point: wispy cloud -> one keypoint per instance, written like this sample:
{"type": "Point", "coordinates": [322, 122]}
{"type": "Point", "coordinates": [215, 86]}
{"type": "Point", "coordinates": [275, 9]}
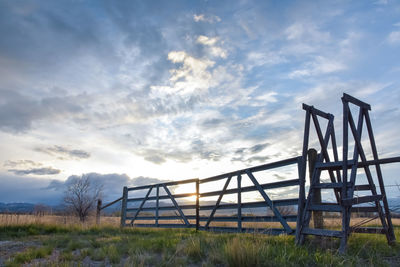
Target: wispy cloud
{"type": "Point", "coordinates": [64, 153]}
{"type": "Point", "coordinates": [36, 171]}
{"type": "Point", "coordinates": [394, 37]}
{"type": "Point", "coordinates": [206, 18]}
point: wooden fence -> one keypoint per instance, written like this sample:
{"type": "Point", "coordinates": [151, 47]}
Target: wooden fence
{"type": "Point", "coordinates": [158, 205]}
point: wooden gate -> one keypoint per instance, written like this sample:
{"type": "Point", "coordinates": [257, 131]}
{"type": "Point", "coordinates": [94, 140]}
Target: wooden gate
{"type": "Point", "coordinates": [162, 205]}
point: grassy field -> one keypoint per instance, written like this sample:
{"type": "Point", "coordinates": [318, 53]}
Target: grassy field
{"type": "Point", "coordinates": [35, 243]}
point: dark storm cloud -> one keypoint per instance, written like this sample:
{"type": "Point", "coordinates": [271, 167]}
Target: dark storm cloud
{"type": "Point", "coordinates": [64, 153]}
{"type": "Point", "coordinates": [18, 111]}
{"type": "Point", "coordinates": [26, 189]}
{"type": "Point", "coordinates": [36, 171]}
{"type": "Point", "coordinates": [50, 30]}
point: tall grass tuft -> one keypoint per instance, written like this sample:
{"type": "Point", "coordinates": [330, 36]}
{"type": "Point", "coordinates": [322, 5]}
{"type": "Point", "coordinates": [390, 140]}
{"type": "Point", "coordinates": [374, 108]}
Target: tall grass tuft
{"type": "Point", "coordinates": [241, 252]}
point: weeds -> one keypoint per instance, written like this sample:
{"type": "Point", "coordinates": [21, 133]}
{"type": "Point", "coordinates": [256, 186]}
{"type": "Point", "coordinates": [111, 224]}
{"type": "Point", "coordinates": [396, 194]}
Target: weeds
{"type": "Point", "coordinates": [180, 247]}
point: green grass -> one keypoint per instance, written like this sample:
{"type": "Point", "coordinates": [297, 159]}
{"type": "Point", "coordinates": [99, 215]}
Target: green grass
{"type": "Point", "coordinates": [182, 247]}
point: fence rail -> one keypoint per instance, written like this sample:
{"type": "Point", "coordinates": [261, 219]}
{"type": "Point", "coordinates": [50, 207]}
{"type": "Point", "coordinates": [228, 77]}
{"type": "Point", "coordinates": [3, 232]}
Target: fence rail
{"type": "Point", "coordinates": [138, 211]}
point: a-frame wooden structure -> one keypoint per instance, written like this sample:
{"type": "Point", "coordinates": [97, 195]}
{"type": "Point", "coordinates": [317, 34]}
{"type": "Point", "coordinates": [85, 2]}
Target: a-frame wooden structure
{"type": "Point", "coordinates": [343, 174]}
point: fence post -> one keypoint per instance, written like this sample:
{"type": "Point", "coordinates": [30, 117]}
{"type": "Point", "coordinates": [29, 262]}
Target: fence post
{"type": "Point", "coordinates": [124, 205]}
{"type": "Point", "coordinates": [197, 205]}
{"type": "Point", "coordinates": [157, 203]}
{"type": "Point", "coordinates": [317, 215]}
{"type": "Point", "coordinates": [98, 210]}
{"type": "Point", "coordinates": [239, 200]}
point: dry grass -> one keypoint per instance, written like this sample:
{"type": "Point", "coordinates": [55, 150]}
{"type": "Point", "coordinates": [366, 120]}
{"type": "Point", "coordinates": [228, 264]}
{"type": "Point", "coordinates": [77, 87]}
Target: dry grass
{"type": "Point", "coordinates": [24, 219]}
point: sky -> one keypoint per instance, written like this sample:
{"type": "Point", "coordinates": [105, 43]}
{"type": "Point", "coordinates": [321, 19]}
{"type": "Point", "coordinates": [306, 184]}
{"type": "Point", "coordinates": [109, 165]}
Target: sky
{"type": "Point", "coordinates": [138, 92]}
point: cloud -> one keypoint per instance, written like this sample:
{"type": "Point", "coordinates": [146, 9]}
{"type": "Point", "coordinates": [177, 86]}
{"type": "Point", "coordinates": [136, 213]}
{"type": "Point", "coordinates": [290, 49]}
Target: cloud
{"type": "Point", "coordinates": [306, 31]}
{"type": "Point", "coordinates": [27, 167]}
{"type": "Point", "coordinates": [193, 77]}
{"type": "Point", "coordinates": [394, 37]}
{"type": "Point", "coordinates": [206, 18]}
{"type": "Point", "coordinates": [26, 189]}
{"type": "Point", "coordinates": [270, 58]}
{"type": "Point", "coordinates": [258, 148]}
{"type": "Point", "coordinates": [155, 159]}
{"type": "Point", "coordinates": [36, 171]}
{"type": "Point", "coordinates": [211, 44]}
{"type": "Point", "coordinates": [141, 181]}
{"type": "Point", "coordinates": [64, 153]}
{"type": "Point", "coordinates": [21, 163]}
{"type": "Point", "coordinates": [19, 111]}
{"type": "Point", "coordinates": [320, 65]}
{"type": "Point", "coordinates": [206, 40]}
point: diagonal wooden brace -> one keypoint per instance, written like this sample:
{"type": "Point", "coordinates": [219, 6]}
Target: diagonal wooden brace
{"type": "Point", "coordinates": [218, 202]}
{"type": "Point", "coordinates": [269, 202]}
{"type": "Point", "coordinates": [176, 205]}
{"type": "Point", "coordinates": [141, 205]}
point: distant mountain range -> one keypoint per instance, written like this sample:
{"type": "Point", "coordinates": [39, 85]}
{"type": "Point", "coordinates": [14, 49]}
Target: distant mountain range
{"type": "Point", "coordinates": [17, 207]}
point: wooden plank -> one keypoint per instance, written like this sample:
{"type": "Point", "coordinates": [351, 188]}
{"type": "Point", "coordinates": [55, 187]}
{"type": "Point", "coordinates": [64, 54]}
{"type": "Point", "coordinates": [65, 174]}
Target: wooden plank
{"type": "Point", "coordinates": [328, 185]}
{"type": "Point", "coordinates": [176, 204]}
{"type": "Point", "coordinates": [362, 187]}
{"type": "Point", "coordinates": [111, 203]}
{"type": "Point", "coordinates": [270, 203]}
{"type": "Point", "coordinates": [359, 200]}
{"type": "Point", "coordinates": [345, 151]}
{"type": "Point", "coordinates": [324, 142]}
{"type": "Point", "coordinates": [335, 153]}
{"type": "Point", "coordinates": [239, 201]}
{"type": "Point", "coordinates": [197, 205]}
{"type": "Point", "coordinates": [368, 174]}
{"type": "Point", "coordinates": [339, 165]}
{"type": "Point", "coordinates": [269, 231]}
{"type": "Point", "coordinates": [302, 165]}
{"type": "Point", "coordinates": [141, 205]}
{"type": "Point", "coordinates": [355, 101]}
{"type": "Point", "coordinates": [162, 197]}
{"type": "Point", "coordinates": [157, 203]}
{"type": "Point", "coordinates": [218, 202]}
{"type": "Point", "coordinates": [322, 232]}
{"type": "Point", "coordinates": [292, 182]}
{"type": "Point", "coordinates": [256, 204]}
{"type": "Point", "coordinates": [124, 206]}
{"type": "Point", "coordinates": [316, 111]}
{"type": "Point", "coordinates": [166, 184]}
{"type": "Point", "coordinates": [390, 230]}
{"type": "Point", "coordinates": [368, 230]}
{"type": "Point", "coordinates": [263, 167]}
{"type": "Point", "coordinates": [330, 208]}
{"type": "Point", "coordinates": [289, 218]}
{"type": "Point", "coordinates": [165, 225]}
{"type": "Point", "coordinates": [364, 209]}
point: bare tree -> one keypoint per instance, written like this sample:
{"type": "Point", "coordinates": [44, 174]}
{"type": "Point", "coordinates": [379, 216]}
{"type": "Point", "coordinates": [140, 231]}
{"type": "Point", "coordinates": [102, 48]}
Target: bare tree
{"type": "Point", "coordinates": [81, 196]}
